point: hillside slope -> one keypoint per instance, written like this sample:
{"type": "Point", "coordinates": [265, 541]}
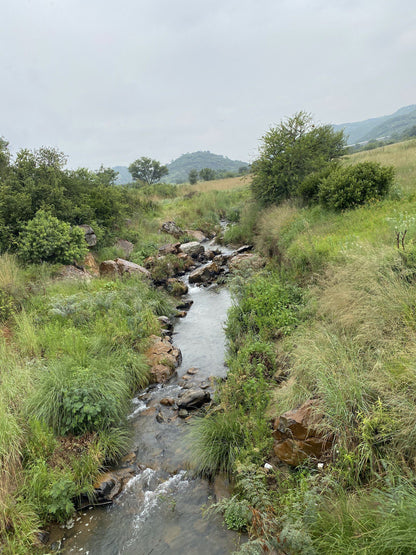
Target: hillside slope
{"type": "Point", "coordinates": [384, 126]}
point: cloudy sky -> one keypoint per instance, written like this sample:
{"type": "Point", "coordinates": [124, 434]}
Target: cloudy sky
{"type": "Point", "coordinates": [108, 82]}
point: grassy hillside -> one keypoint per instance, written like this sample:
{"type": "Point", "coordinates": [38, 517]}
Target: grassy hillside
{"type": "Point", "coordinates": [330, 320]}
{"type": "Point", "coordinates": [384, 126]}
{"type": "Point", "coordinates": [180, 168]}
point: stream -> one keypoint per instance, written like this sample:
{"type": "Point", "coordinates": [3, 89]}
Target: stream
{"type": "Point", "coordinates": [160, 509]}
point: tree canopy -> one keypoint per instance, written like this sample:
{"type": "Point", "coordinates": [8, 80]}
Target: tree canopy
{"type": "Point", "coordinates": [147, 170]}
{"type": "Point", "coordinates": [290, 152]}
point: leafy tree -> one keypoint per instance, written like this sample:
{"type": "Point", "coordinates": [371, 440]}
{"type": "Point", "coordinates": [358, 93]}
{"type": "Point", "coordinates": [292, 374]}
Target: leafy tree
{"type": "Point", "coordinates": [207, 174]}
{"type": "Point", "coordinates": [147, 170]}
{"type": "Point", "coordinates": [108, 176]}
{"type": "Point", "coordinates": [290, 152]}
{"type": "Point", "coordinates": [193, 177]}
{"type": "Point", "coordinates": [47, 239]}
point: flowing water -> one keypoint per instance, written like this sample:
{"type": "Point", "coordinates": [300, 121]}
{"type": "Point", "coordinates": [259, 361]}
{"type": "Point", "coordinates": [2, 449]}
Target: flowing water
{"type": "Point", "coordinates": [160, 510]}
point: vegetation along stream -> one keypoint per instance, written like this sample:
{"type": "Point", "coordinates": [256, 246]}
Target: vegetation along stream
{"type": "Point", "coordinates": [160, 509]}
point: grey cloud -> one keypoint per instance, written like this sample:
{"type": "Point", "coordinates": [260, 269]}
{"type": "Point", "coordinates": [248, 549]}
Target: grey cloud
{"type": "Point", "coordinates": [108, 82]}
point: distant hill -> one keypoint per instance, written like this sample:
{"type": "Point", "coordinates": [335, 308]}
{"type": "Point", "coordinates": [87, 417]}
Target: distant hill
{"type": "Point", "coordinates": [383, 126]}
{"type": "Point", "coordinates": [180, 168]}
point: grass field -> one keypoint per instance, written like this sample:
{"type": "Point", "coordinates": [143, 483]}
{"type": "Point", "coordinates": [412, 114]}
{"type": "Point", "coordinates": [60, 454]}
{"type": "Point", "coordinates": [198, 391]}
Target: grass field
{"type": "Point", "coordinates": [400, 155]}
{"type": "Point", "coordinates": [218, 184]}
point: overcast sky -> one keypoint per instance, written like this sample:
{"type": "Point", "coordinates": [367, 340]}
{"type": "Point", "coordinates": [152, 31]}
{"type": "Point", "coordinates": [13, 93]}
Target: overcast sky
{"type": "Point", "coordinates": [108, 82]}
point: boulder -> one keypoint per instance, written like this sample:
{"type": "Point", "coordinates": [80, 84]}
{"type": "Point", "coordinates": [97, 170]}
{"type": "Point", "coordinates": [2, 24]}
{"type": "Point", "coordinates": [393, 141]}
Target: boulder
{"type": "Point", "coordinates": [163, 358]}
{"type": "Point", "coordinates": [171, 228]}
{"type": "Point", "coordinates": [193, 398]}
{"type": "Point", "coordinates": [297, 435]}
{"type": "Point", "coordinates": [109, 268]}
{"type": "Point", "coordinates": [204, 274]}
{"type": "Point", "coordinates": [245, 261]}
{"type": "Point", "coordinates": [196, 234]}
{"type": "Point", "coordinates": [72, 272]}
{"type": "Point", "coordinates": [193, 249]}
{"type": "Point", "coordinates": [126, 267]}
{"type": "Point", "coordinates": [125, 246]}
{"type": "Point", "coordinates": [90, 237]}
{"type": "Point", "coordinates": [171, 248]}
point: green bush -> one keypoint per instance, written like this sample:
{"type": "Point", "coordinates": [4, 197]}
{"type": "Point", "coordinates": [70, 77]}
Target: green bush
{"type": "Point", "coordinates": [352, 186]}
{"type": "Point", "coordinates": [308, 189]}
{"type": "Point", "coordinates": [47, 239]}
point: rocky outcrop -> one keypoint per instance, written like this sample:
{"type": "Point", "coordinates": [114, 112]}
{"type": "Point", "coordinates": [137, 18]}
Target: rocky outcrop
{"type": "Point", "coordinates": [204, 274]}
{"type": "Point", "coordinates": [110, 484]}
{"type": "Point", "coordinates": [120, 267]}
{"type": "Point", "coordinates": [193, 249]}
{"type": "Point", "coordinates": [90, 264]}
{"type": "Point", "coordinates": [124, 246]}
{"type": "Point", "coordinates": [297, 435]}
{"type": "Point", "coordinates": [90, 237]}
{"type": "Point", "coordinates": [246, 260]}
{"type": "Point", "coordinates": [171, 228]}
{"type": "Point", "coordinates": [126, 267]}
{"type": "Point", "coordinates": [163, 358]}
{"type": "Point", "coordinates": [196, 234]}
{"type": "Point", "coordinates": [193, 398]}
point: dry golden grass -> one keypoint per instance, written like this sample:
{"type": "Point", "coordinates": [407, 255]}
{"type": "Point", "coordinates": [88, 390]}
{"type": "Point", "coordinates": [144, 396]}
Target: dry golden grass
{"type": "Point", "coordinates": [218, 184]}
{"type": "Point", "coordinates": [400, 155]}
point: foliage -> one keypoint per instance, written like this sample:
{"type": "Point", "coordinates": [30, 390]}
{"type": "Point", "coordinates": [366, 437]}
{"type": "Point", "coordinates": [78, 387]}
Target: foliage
{"type": "Point", "coordinates": [147, 170]}
{"type": "Point", "coordinates": [290, 152]}
{"type": "Point", "coordinates": [266, 307]}
{"type": "Point", "coordinates": [347, 187]}
{"type": "Point", "coordinates": [207, 174]}
{"type": "Point", "coordinates": [193, 176]}
{"type": "Point", "coordinates": [38, 180]}
{"type": "Point", "coordinates": [46, 239]}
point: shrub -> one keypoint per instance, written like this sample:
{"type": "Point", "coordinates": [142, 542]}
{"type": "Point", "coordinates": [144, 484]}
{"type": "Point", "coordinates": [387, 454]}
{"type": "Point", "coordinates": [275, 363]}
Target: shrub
{"type": "Point", "coordinates": [47, 239]}
{"type": "Point", "coordinates": [308, 189]}
{"type": "Point", "coordinates": [348, 187]}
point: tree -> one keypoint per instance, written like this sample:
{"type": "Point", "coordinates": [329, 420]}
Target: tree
{"type": "Point", "coordinates": [147, 170]}
{"type": "Point", "coordinates": [193, 176]}
{"type": "Point", "coordinates": [207, 174]}
{"type": "Point", "coordinates": [289, 153]}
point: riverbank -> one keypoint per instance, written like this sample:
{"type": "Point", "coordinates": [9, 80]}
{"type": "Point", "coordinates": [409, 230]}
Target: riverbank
{"type": "Point", "coordinates": [316, 421]}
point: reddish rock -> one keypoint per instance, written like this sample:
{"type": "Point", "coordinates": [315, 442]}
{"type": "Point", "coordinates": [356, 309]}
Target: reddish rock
{"type": "Point", "coordinates": [91, 265]}
{"type": "Point", "coordinates": [167, 401]}
{"type": "Point", "coordinates": [163, 358]}
{"type": "Point", "coordinates": [297, 435]}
